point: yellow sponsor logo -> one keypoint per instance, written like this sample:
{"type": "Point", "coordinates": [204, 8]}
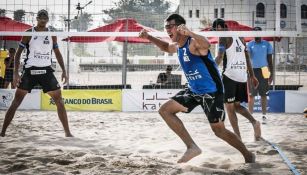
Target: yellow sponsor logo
{"type": "Point", "coordinates": [86, 100]}
{"type": "Point", "coordinates": [83, 101]}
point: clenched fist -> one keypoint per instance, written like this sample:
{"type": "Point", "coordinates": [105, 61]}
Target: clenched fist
{"type": "Point", "coordinates": [183, 30]}
{"type": "Point", "coordinates": [143, 34]}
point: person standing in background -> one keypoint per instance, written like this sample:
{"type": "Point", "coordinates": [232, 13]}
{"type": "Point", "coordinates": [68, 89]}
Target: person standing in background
{"type": "Point", "coordinates": [9, 69]}
{"type": "Point", "coordinates": [261, 55]}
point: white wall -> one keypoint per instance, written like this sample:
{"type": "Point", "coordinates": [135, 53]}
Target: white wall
{"type": "Point", "coordinates": [238, 10]}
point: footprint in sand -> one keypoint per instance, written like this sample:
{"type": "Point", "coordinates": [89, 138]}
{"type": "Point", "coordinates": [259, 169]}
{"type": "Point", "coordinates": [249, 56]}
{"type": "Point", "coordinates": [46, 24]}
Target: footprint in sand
{"type": "Point", "coordinates": [23, 155]}
{"type": "Point", "coordinates": [63, 161]}
{"type": "Point", "coordinates": [17, 167]}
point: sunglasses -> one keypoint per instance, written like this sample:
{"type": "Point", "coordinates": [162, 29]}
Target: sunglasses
{"type": "Point", "coordinates": [169, 26]}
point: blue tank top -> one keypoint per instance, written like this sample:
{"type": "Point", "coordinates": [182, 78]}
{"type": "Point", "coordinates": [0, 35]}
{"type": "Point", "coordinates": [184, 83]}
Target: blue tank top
{"type": "Point", "coordinates": [201, 71]}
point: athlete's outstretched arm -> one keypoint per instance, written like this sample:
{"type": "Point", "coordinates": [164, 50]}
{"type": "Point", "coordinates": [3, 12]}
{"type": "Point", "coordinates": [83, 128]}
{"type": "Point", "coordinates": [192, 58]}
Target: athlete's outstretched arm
{"type": "Point", "coordinates": [163, 45]}
{"type": "Point", "coordinates": [59, 57]}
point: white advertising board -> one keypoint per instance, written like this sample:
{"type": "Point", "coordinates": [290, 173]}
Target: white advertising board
{"type": "Point", "coordinates": [31, 101]}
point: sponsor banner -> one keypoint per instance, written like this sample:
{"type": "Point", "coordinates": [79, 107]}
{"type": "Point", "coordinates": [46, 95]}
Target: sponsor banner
{"type": "Point", "coordinates": [148, 99]}
{"type": "Point", "coordinates": [31, 100]}
{"type": "Point", "coordinates": [86, 100]}
{"type": "Point", "coordinates": [296, 101]}
{"type": "Point", "coordinates": [276, 102]}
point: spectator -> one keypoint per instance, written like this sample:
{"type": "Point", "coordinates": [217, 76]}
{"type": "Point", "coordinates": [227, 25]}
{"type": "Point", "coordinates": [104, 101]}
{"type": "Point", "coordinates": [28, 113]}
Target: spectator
{"type": "Point", "coordinates": [164, 78]}
{"type": "Point", "coordinates": [9, 69]}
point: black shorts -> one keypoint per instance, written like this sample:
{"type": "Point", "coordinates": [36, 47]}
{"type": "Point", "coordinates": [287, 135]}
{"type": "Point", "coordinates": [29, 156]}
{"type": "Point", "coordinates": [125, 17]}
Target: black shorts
{"type": "Point", "coordinates": [234, 91]}
{"type": "Point", "coordinates": [42, 76]}
{"type": "Point", "coordinates": [212, 103]}
{"type": "Point", "coordinates": [263, 87]}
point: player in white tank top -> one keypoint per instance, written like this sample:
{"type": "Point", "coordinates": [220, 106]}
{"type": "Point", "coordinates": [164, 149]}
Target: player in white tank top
{"type": "Point", "coordinates": [37, 70]}
{"type": "Point", "coordinates": [236, 64]}
{"type": "Point", "coordinates": [39, 51]}
{"type": "Point", "coordinates": [235, 68]}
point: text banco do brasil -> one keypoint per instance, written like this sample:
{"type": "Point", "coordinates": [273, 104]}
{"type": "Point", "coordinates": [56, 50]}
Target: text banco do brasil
{"type": "Point", "coordinates": [93, 101]}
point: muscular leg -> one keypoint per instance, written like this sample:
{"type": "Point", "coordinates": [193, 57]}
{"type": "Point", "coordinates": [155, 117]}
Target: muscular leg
{"type": "Point", "coordinates": [244, 112]}
{"type": "Point", "coordinates": [19, 96]}
{"type": "Point", "coordinates": [57, 97]}
{"type": "Point", "coordinates": [233, 140]}
{"type": "Point", "coordinates": [231, 111]}
{"type": "Point", "coordinates": [168, 112]}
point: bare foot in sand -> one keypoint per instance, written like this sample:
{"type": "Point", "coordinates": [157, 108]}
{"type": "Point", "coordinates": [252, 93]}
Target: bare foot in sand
{"type": "Point", "coordinates": [68, 135]}
{"type": "Point", "coordinates": [257, 130]}
{"type": "Point", "coordinates": [251, 158]}
{"type": "Point", "coordinates": [189, 154]}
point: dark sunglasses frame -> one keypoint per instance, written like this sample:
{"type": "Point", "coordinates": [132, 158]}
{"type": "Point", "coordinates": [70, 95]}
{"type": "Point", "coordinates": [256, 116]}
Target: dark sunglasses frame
{"type": "Point", "coordinates": [169, 26]}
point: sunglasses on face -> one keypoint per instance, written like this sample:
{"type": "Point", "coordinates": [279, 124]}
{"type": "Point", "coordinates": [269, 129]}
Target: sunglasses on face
{"type": "Point", "coordinates": [169, 26]}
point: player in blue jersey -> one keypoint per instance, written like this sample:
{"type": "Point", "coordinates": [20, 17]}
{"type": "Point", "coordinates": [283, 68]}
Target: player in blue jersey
{"type": "Point", "coordinates": [205, 87]}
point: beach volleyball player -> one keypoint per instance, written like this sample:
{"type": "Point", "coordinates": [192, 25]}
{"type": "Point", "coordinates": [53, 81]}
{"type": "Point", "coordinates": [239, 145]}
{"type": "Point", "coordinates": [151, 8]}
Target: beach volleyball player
{"type": "Point", "coordinates": [236, 67]}
{"type": "Point", "coordinates": [37, 70]}
{"type": "Point", "coordinates": [205, 87]}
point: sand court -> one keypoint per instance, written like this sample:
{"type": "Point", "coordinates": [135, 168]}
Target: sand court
{"type": "Point", "coordinates": [141, 143]}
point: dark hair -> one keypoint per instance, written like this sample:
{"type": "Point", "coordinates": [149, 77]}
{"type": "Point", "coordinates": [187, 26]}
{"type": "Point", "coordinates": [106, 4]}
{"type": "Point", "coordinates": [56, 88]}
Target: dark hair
{"type": "Point", "coordinates": [169, 68]}
{"type": "Point", "coordinates": [178, 19]}
{"type": "Point", "coordinates": [257, 28]}
{"type": "Point", "coordinates": [220, 22]}
{"type": "Point", "coordinates": [42, 12]}
{"type": "Point", "coordinates": [12, 49]}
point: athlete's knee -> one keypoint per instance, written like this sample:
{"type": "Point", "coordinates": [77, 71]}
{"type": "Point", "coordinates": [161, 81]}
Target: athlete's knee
{"type": "Point", "coordinates": [238, 107]}
{"type": "Point", "coordinates": [58, 99]}
{"type": "Point", "coordinates": [164, 111]}
{"type": "Point", "coordinates": [218, 129]}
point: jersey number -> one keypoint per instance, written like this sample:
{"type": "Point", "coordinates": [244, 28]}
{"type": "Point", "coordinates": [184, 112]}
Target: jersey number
{"type": "Point", "coordinates": [185, 56]}
{"type": "Point", "coordinates": [238, 47]}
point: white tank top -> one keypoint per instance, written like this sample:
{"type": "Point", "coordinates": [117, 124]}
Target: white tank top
{"type": "Point", "coordinates": [236, 68]}
{"type": "Point", "coordinates": [39, 51]}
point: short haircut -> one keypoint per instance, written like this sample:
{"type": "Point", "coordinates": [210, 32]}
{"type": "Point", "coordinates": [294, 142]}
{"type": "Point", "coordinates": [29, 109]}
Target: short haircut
{"type": "Point", "coordinates": [178, 19]}
{"type": "Point", "coordinates": [220, 22]}
{"type": "Point", "coordinates": [169, 68]}
{"type": "Point", "coordinates": [42, 12]}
